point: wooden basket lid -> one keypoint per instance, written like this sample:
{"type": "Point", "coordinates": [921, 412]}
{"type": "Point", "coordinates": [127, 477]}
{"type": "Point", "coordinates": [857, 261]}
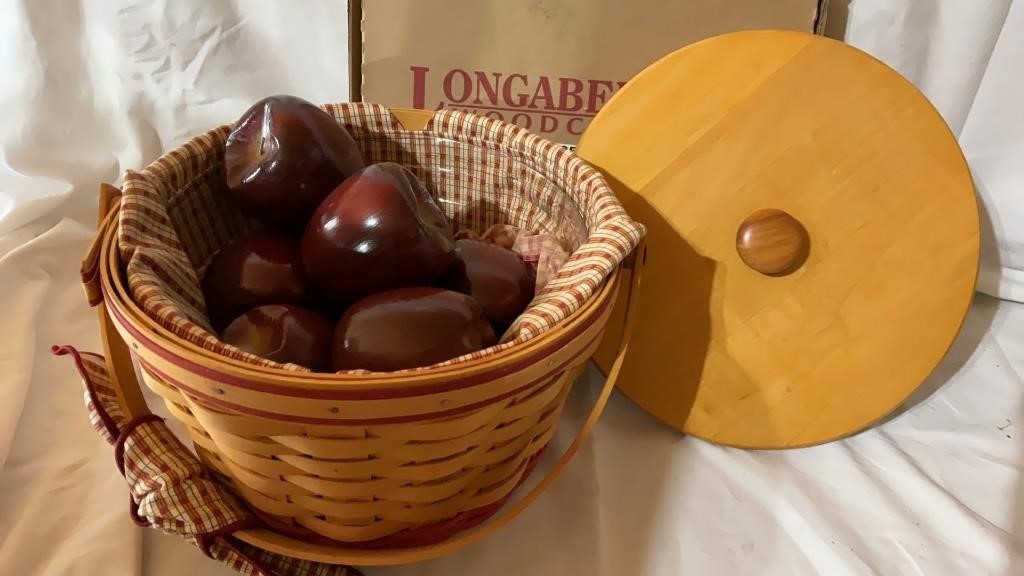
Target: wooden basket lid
{"type": "Point", "coordinates": [812, 237]}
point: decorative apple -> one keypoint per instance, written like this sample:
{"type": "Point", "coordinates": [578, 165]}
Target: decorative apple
{"type": "Point", "coordinates": [408, 328]}
{"type": "Point", "coordinates": [377, 231]}
{"type": "Point", "coordinates": [494, 276]}
{"type": "Point", "coordinates": [252, 270]}
{"type": "Point", "coordinates": [283, 156]}
{"type": "Point", "coordinates": [283, 333]}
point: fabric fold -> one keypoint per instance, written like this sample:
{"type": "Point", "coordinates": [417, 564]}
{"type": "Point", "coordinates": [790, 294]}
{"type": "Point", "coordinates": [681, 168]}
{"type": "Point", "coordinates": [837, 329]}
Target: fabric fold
{"type": "Point", "coordinates": [169, 488]}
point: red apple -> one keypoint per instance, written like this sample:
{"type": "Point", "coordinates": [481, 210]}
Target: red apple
{"type": "Point", "coordinates": [496, 277]}
{"type": "Point", "coordinates": [379, 230]}
{"type": "Point", "coordinates": [254, 269]}
{"type": "Point", "coordinates": [283, 333]}
{"type": "Point", "coordinates": [408, 328]}
{"type": "Point", "coordinates": [283, 156]}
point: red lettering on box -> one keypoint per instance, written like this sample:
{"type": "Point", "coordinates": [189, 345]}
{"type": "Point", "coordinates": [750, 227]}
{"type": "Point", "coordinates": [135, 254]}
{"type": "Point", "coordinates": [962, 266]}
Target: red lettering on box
{"type": "Point", "coordinates": [483, 85]}
{"type": "Point", "coordinates": [565, 93]}
{"type": "Point", "coordinates": [596, 97]}
{"type": "Point", "coordinates": [543, 92]}
{"type": "Point", "coordinates": [446, 86]}
{"type": "Point", "coordinates": [575, 126]}
{"type": "Point", "coordinates": [506, 91]}
{"type": "Point", "coordinates": [536, 102]}
{"type": "Point", "coordinates": [419, 86]}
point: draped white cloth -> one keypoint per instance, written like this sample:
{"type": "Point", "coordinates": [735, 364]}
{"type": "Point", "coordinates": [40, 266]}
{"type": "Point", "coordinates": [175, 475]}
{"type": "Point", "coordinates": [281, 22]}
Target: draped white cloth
{"type": "Point", "coordinates": [93, 88]}
{"type": "Point", "coordinates": [967, 58]}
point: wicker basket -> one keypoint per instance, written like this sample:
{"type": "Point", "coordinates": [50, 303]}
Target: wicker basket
{"type": "Point", "coordinates": [349, 468]}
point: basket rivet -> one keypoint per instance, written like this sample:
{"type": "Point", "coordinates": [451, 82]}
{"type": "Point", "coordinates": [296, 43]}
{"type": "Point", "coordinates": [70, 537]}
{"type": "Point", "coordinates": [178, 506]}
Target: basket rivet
{"type": "Point", "coordinates": [444, 402]}
{"type": "Point", "coordinates": [334, 410]}
{"type": "Point", "coordinates": [218, 390]}
{"type": "Point", "coordinates": [135, 345]}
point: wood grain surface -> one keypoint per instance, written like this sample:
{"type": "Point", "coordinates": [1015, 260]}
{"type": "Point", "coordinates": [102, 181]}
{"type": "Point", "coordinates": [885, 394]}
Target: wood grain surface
{"type": "Point", "coordinates": [722, 129]}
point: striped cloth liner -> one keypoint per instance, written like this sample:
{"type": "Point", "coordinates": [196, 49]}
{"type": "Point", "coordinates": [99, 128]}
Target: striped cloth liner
{"type": "Point", "coordinates": [170, 490]}
{"type": "Point", "coordinates": [175, 215]}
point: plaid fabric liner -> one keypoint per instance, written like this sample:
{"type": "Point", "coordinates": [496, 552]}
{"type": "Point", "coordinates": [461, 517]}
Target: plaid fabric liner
{"type": "Point", "coordinates": [169, 488]}
{"type": "Point", "coordinates": [174, 215]}
{"type": "Point", "coordinates": [162, 473]}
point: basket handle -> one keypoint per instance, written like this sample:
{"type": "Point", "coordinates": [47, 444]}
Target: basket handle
{"type": "Point", "coordinates": [118, 357]}
{"type": "Point", "coordinates": [271, 541]}
{"type": "Point", "coordinates": [635, 262]}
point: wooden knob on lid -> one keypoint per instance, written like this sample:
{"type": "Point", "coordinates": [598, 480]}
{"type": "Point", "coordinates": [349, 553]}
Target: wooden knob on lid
{"type": "Point", "coordinates": [772, 242]}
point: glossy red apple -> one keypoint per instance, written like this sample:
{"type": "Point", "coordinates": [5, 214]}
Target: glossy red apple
{"type": "Point", "coordinates": [494, 276]}
{"type": "Point", "coordinates": [283, 156]}
{"type": "Point", "coordinates": [408, 328]}
{"type": "Point", "coordinates": [254, 269]}
{"type": "Point", "coordinates": [283, 333]}
{"type": "Point", "coordinates": [379, 230]}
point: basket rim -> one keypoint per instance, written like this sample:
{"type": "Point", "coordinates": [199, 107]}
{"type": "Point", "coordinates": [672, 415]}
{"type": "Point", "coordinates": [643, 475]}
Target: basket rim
{"type": "Point", "coordinates": [127, 313]}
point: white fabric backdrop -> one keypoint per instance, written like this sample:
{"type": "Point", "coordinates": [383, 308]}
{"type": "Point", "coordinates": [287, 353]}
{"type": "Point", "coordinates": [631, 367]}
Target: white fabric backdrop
{"type": "Point", "coordinates": [967, 58]}
{"type": "Point", "coordinates": [93, 88]}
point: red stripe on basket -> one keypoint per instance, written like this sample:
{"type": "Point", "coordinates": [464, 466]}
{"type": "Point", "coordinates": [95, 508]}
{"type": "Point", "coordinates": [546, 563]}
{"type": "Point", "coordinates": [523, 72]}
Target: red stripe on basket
{"type": "Point", "coordinates": [225, 405]}
{"type": "Point", "coordinates": [382, 393]}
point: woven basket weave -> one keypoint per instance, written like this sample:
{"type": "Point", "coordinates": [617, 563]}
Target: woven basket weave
{"type": "Point", "coordinates": [363, 461]}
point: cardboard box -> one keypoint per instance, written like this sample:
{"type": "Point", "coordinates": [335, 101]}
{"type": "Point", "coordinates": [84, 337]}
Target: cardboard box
{"type": "Point", "coordinates": [547, 65]}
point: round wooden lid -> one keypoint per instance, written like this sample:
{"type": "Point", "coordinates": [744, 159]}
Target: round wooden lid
{"type": "Point", "coordinates": [812, 237]}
